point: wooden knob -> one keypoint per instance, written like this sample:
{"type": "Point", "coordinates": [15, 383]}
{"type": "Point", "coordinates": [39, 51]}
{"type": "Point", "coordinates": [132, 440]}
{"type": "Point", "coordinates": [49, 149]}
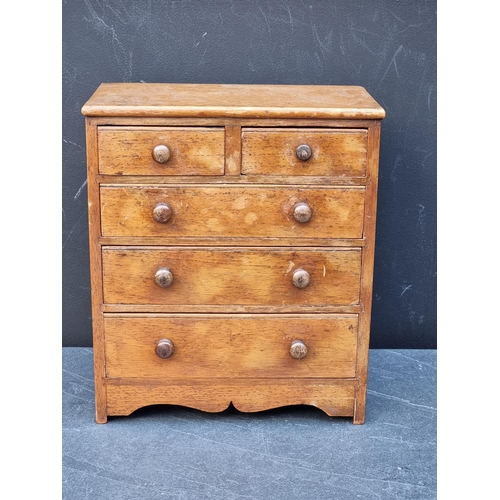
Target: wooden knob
{"type": "Point", "coordinates": [301, 278]}
{"type": "Point", "coordinates": [164, 348]}
{"type": "Point", "coordinates": [298, 349]}
{"type": "Point", "coordinates": [162, 213]}
{"type": "Point", "coordinates": [302, 212]}
{"type": "Point", "coordinates": [161, 153]}
{"type": "Point", "coordinates": [303, 152]}
{"type": "Point", "coordinates": [164, 277]}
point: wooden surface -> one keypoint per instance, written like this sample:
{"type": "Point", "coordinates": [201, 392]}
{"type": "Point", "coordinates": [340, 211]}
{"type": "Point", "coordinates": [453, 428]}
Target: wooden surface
{"type": "Point", "coordinates": [232, 245]}
{"type": "Point", "coordinates": [335, 152]}
{"type": "Point", "coordinates": [96, 272]}
{"type": "Point", "coordinates": [232, 211]}
{"type": "Point", "coordinates": [334, 396]}
{"type": "Point", "coordinates": [216, 346]}
{"type": "Point", "coordinates": [367, 274]}
{"type": "Point", "coordinates": [242, 101]}
{"type": "Point", "coordinates": [128, 150]}
{"type": "Point", "coordinates": [231, 276]}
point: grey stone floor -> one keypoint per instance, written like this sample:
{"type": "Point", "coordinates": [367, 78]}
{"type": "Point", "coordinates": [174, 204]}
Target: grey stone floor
{"type": "Point", "coordinates": [170, 452]}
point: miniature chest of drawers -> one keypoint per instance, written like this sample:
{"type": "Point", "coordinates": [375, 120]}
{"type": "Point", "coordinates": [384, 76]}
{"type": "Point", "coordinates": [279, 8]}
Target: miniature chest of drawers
{"type": "Point", "coordinates": [232, 232]}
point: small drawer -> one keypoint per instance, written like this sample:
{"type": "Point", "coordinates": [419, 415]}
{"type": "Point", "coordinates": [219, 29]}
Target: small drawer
{"type": "Point", "coordinates": [232, 211]}
{"type": "Point", "coordinates": [161, 151]}
{"type": "Point", "coordinates": [304, 152]}
{"type": "Point", "coordinates": [228, 276]}
{"type": "Point", "coordinates": [221, 346]}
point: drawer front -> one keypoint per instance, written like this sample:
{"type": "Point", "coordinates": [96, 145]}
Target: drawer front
{"type": "Point", "coordinates": [231, 211]}
{"type": "Point", "coordinates": [131, 150]}
{"type": "Point", "coordinates": [230, 276]}
{"type": "Point", "coordinates": [338, 152]}
{"type": "Point", "coordinates": [219, 346]}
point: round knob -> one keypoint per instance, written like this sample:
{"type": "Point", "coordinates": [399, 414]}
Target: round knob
{"type": "Point", "coordinates": [162, 212]}
{"type": "Point", "coordinates": [303, 152]}
{"type": "Point", "coordinates": [164, 277]}
{"type": "Point", "coordinates": [302, 212]}
{"type": "Point", "coordinates": [161, 153]}
{"type": "Point", "coordinates": [298, 349]}
{"type": "Point", "coordinates": [164, 348]}
{"type": "Point", "coordinates": [301, 278]}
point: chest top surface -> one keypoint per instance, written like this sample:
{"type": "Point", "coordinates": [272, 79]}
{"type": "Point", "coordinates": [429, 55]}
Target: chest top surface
{"type": "Point", "coordinates": [233, 100]}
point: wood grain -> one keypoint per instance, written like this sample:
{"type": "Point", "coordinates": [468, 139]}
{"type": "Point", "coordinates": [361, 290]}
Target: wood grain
{"type": "Point", "coordinates": [230, 241]}
{"type": "Point", "coordinates": [224, 308]}
{"type": "Point", "coordinates": [231, 276]}
{"type": "Point", "coordinates": [232, 211]}
{"type": "Point", "coordinates": [334, 396]}
{"type": "Point", "coordinates": [96, 297]}
{"type": "Point", "coordinates": [368, 261]}
{"type": "Point", "coordinates": [128, 150]}
{"type": "Point", "coordinates": [336, 152]}
{"type": "Point", "coordinates": [242, 346]}
{"type": "Point", "coordinates": [225, 100]}
{"type": "Point", "coordinates": [233, 150]}
{"type": "Point", "coordinates": [224, 180]}
{"type": "Point", "coordinates": [232, 180]}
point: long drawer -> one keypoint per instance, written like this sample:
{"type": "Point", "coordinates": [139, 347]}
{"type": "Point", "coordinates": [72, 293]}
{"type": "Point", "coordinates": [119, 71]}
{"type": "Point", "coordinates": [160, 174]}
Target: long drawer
{"type": "Point", "coordinates": [232, 211]}
{"type": "Point", "coordinates": [270, 276]}
{"type": "Point", "coordinates": [214, 346]}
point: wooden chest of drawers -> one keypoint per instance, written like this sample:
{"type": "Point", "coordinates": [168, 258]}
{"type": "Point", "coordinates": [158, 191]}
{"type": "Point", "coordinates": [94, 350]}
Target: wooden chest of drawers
{"type": "Point", "coordinates": [232, 233]}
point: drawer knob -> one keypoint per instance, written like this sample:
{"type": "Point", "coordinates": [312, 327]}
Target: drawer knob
{"type": "Point", "coordinates": [164, 277]}
{"type": "Point", "coordinates": [302, 212]}
{"type": "Point", "coordinates": [161, 153]}
{"type": "Point", "coordinates": [301, 278]}
{"type": "Point", "coordinates": [303, 152]}
{"type": "Point", "coordinates": [164, 348]}
{"type": "Point", "coordinates": [162, 213]}
{"type": "Point", "coordinates": [298, 349]}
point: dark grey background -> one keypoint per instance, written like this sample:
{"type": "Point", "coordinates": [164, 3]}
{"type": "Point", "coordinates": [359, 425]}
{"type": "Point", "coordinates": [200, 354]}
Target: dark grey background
{"type": "Point", "coordinates": [386, 46]}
